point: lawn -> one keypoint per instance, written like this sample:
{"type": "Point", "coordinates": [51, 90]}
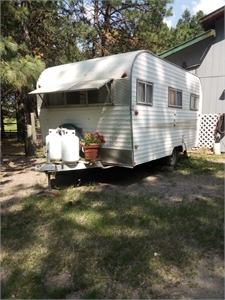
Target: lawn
{"type": "Point", "coordinates": [10, 124]}
{"type": "Point", "coordinates": [95, 244]}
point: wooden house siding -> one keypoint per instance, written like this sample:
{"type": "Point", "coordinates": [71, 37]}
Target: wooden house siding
{"type": "Point", "coordinates": [208, 61]}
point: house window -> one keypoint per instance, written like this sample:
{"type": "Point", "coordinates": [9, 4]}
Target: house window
{"type": "Point", "coordinates": [194, 102]}
{"type": "Point", "coordinates": [175, 97]}
{"type": "Point", "coordinates": [144, 93]}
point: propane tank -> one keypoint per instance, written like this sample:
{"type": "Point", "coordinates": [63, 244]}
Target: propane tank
{"type": "Point", "coordinates": [54, 144]}
{"type": "Point", "coordinates": [70, 146]}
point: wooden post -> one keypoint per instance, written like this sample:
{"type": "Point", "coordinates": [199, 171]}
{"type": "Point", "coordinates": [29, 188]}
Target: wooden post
{"type": "Point", "coordinates": [33, 125]}
{"type": "Point", "coordinates": [31, 146]}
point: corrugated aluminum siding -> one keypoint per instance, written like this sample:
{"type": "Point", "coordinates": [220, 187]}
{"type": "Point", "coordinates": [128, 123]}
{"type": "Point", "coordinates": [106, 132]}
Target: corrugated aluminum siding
{"type": "Point", "coordinates": [154, 133]}
{"type": "Point", "coordinates": [112, 121]}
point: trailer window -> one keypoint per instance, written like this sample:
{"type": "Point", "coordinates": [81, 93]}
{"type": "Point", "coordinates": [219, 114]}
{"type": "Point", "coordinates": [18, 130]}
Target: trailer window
{"type": "Point", "coordinates": [175, 97]}
{"type": "Point", "coordinates": [75, 98]}
{"type": "Point", "coordinates": [85, 97]}
{"type": "Point", "coordinates": [194, 102]}
{"type": "Point", "coordinates": [145, 93]}
{"type": "Point", "coordinates": [55, 99]}
{"type": "Point", "coordinates": [99, 96]}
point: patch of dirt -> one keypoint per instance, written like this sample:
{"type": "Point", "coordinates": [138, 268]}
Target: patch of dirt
{"type": "Point", "coordinates": [18, 179]}
{"type": "Point", "coordinates": [12, 146]}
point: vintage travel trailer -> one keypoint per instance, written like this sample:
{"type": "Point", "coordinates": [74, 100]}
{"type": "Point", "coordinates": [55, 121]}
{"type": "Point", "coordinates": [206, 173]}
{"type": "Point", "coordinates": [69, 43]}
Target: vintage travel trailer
{"type": "Point", "coordinates": [145, 107]}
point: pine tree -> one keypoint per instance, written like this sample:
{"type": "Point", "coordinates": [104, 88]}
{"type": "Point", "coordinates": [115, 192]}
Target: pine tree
{"type": "Point", "coordinates": [188, 27]}
{"type": "Point", "coordinates": [35, 35]}
{"type": "Point", "coordinates": [122, 26]}
{"type": "Point", "coordinates": [19, 68]}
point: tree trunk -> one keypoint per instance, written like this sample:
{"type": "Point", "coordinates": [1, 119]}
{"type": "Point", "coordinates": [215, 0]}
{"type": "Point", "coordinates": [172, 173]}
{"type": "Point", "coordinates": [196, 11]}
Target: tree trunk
{"type": "Point", "coordinates": [96, 28]}
{"type": "Point", "coordinates": [106, 28]}
{"type": "Point", "coordinates": [3, 136]}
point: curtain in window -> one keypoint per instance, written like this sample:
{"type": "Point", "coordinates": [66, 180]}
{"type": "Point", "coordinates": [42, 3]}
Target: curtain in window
{"type": "Point", "coordinates": [141, 92]}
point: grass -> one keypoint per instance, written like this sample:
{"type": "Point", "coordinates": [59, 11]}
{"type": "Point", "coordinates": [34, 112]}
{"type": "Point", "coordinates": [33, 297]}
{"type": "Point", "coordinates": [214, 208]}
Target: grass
{"type": "Point", "coordinates": [201, 164]}
{"type": "Point", "coordinates": [10, 124]}
{"type": "Point", "coordinates": [98, 245]}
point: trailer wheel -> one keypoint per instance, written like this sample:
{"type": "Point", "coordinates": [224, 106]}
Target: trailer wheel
{"type": "Point", "coordinates": [171, 160]}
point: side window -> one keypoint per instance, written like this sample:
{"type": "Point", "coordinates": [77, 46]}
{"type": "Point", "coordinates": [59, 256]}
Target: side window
{"type": "Point", "coordinates": [84, 97]}
{"type": "Point", "coordinates": [99, 96]}
{"type": "Point", "coordinates": [194, 102]}
{"type": "Point", "coordinates": [55, 99]}
{"type": "Point", "coordinates": [175, 98]}
{"type": "Point", "coordinates": [144, 92]}
{"type": "Point", "coordinates": [75, 98]}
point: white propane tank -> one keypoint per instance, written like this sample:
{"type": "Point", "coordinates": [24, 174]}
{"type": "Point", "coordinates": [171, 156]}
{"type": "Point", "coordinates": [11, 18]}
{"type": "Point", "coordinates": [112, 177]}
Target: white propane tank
{"type": "Point", "coordinates": [54, 144]}
{"type": "Point", "coordinates": [70, 146]}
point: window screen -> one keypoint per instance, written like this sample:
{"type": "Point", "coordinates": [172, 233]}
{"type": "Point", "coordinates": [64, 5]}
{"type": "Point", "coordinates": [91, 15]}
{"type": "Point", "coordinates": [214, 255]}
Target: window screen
{"type": "Point", "coordinates": [95, 96]}
{"type": "Point", "coordinates": [55, 99]}
{"type": "Point", "coordinates": [75, 98]}
{"type": "Point", "coordinates": [99, 96]}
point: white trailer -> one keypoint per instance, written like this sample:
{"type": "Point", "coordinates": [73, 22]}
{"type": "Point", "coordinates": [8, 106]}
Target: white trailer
{"type": "Point", "coordinates": [145, 107]}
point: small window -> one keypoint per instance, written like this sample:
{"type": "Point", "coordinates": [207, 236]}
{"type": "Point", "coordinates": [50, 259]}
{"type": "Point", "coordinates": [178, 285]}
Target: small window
{"type": "Point", "coordinates": [175, 98]}
{"type": "Point", "coordinates": [194, 102]}
{"type": "Point", "coordinates": [145, 93]}
{"type": "Point", "coordinates": [75, 98]}
{"type": "Point", "coordinates": [55, 99]}
{"type": "Point", "coordinates": [101, 95]}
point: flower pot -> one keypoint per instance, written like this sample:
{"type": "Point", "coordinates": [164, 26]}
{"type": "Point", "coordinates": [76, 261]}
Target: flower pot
{"type": "Point", "coordinates": [91, 151]}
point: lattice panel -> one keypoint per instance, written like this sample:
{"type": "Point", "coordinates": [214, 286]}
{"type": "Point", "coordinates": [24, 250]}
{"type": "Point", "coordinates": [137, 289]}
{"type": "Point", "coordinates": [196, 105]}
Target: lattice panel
{"type": "Point", "coordinates": [207, 130]}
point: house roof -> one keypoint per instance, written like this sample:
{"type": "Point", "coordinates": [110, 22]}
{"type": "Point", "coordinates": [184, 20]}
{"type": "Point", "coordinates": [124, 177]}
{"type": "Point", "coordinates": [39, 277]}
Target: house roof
{"type": "Point", "coordinates": [208, 22]}
{"type": "Point", "coordinates": [184, 45]}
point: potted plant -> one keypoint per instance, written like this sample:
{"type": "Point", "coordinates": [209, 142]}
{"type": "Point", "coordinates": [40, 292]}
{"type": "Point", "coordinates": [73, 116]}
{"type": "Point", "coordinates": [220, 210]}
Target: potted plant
{"type": "Point", "coordinates": [91, 144]}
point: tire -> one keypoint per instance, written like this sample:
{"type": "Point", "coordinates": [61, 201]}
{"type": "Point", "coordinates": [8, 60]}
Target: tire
{"type": "Point", "coordinates": [172, 159]}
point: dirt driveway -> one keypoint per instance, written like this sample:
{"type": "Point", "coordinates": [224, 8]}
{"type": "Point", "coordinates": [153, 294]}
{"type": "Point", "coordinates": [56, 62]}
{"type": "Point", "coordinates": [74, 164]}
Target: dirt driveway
{"type": "Point", "coordinates": [18, 179]}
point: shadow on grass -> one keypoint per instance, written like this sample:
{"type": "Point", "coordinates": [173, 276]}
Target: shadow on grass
{"type": "Point", "coordinates": [125, 176]}
{"type": "Point", "coordinates": [102, 245]}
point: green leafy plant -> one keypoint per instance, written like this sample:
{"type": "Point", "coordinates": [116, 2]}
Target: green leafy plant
{"type": "Point", "coordinates": [93, 138]}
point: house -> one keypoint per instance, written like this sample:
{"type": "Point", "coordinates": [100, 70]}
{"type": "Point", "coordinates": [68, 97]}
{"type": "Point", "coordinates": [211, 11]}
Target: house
{"type": "Point", "coordinates": [204, 56]}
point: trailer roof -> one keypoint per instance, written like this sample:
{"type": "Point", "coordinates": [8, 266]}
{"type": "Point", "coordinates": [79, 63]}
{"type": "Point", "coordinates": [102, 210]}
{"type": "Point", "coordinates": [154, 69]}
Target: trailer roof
{"type": "Point", "coordinates": [88, 74]}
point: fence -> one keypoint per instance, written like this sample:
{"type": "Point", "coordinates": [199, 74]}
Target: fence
{"type": "Point", "coordinates": [24, 134]}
